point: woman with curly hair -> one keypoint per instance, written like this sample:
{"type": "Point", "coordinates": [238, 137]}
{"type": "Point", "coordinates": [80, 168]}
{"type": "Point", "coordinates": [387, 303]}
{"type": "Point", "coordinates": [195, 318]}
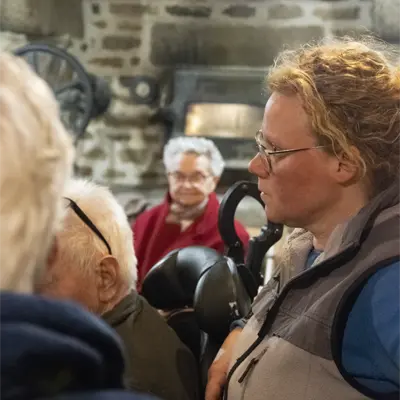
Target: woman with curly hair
{"type": "Point", "coordinates": [327, 325]}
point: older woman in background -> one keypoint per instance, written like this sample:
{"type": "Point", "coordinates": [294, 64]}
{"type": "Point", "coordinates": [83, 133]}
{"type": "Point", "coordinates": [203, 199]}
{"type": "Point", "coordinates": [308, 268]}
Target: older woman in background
{"type": "Point", "coordinates": [189, 214]}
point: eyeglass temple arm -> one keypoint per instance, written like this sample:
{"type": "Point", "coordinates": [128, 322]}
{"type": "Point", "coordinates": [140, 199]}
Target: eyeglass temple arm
{"type": "Point", "coordinates": [88, 222]}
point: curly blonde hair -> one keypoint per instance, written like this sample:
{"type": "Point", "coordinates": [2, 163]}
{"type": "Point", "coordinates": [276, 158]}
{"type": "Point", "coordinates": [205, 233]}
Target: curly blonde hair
{"type": "Point", "coordinates": [351, 91]}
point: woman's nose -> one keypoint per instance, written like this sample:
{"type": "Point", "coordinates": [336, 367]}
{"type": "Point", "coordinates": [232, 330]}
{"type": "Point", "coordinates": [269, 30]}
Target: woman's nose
{"type": "Point", "coordinates": [257, 167]}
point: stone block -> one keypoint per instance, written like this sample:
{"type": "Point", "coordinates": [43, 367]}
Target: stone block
{"type": "Point", "coordinates": [95, 153]}
{"type": "Point", "coordinates": [123, 111]}
{"type": "Point", "coordinates": [189, 11]}
{"type": "Point", "coordinates": [126, 121]}
{"type": "Point", "coordinates": [88, 134]}
{"type": "Point", "coordinates": [96, 10]}
{"type": "Point", "coordinates": [154, 135]}
{"type": "Point", "coordinates": [134, 61]}
{"type": "Point", "coordinates": [194, 44]}
{"type": "Point", "coordinates": [119, 137]}
{"type": "Point", "coordinates": [341, 13]}
{"type": "Point", "coordinates": [131, 9]}
{"type": "Point", "coordinates": [84, 171]}
{"type": "Point", "coordinates": [284, 11]}
{"type": "Point", "coordinates": [240, 11]}
{"type": "Point", "coordinates": [42, 17]}
{"type": "Point", "coordinates": [113, 62]}
{"type": "Point", "coordinates": [112, 173]}
{"type": "Point", "coordinates": [126, 25]}
{"type": "Point", "coordinates": [114, 42]}
{"type": "Point", "coordinates": [10, 41]}
{"type": "Point", "coordinates": [129, 155]}
{"type": "Point", "coordinates": [100, 24]}
{"type": "Point", "coordinates": [386, 19]}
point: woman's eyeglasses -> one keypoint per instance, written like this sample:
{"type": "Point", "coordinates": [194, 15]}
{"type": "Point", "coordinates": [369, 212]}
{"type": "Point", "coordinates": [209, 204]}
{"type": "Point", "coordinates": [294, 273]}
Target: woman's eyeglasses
{"type": "Point", "coordinates": [79, 212]}
{"type": "Point", "coordinates": [266, 154]}
{"type": "Point", "coordinates": [194, 179]}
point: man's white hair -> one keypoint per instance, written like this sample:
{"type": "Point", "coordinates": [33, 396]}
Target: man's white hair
{"type": "Point", "coordinates": [80, 247]}
{"type": "Point", "coordinates": [201, 146]}
{"type": "Point", "coordinates": [35, 162]}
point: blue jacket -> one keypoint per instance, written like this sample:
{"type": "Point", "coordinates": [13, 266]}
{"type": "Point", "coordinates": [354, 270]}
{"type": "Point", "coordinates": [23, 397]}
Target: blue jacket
{"type": "Point", "coordinates": [56, 350]}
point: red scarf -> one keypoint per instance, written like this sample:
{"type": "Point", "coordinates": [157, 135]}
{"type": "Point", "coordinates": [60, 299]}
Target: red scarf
{"type": "Point", "coordinates": [154, 237]}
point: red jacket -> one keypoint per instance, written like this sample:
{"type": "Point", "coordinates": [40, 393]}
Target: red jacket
{"type": "Point", "coordinates": [154, 238]}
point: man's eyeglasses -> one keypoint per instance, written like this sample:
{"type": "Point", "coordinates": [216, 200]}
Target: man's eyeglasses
{"type": "Point", "coordinates": [194, 179]}
{"type": "Point", "coordinates": [79, 212]}
{"type": "Point", "coordinates": [268, 154]}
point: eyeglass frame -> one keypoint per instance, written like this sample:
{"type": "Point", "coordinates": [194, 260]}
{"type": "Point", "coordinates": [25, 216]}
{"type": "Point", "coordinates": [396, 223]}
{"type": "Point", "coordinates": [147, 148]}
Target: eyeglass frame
{"type": "Point", "coordinates": [186, 178]}
{"type": "Point", "coordinates": [265, 153]}
{"type": "Point", "coordinates": [88, 222]}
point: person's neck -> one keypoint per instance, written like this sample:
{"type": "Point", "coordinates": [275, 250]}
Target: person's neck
{"type": "Point", "coordinates": [345, 209]}
{"type": "Point", "coordinates": [180, 212]}
{"type": "Point", "coordinates": [104, 308]}
{"type": "Point", "coordinates": [195, 207]}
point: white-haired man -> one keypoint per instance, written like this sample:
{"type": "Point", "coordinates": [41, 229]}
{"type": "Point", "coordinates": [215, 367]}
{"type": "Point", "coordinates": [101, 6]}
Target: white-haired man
{"type": "Point", "coordinates": [96, 266]}
{"type": "Point", "coordinates": [189, 214]}
{"type": "Point", "coordinates": [49, 349]}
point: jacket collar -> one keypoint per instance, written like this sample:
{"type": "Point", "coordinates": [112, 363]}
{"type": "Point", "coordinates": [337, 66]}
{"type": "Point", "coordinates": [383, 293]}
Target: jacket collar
{"type": "Point", "coordinates": [351, 233]}
{"type": "Point", "coordinates": [126, 307]}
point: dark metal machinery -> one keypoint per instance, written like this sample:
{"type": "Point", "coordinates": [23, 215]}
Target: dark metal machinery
{"type": "Point", "coordinates": [81, 96]}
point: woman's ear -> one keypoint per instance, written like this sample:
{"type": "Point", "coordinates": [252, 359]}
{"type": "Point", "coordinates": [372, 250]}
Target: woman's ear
{"type": "Point", "coordinates": [347, 167]}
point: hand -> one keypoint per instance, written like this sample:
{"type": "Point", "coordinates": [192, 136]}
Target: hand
{"type": "Point", "coordinates": [218, 371]}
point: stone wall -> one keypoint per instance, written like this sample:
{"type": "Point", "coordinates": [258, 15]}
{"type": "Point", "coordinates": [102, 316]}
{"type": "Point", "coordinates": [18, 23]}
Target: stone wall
{"type": "Point", "coordinates": [119, 39]}
{"type": "Point", "coordinates": [130, 38]}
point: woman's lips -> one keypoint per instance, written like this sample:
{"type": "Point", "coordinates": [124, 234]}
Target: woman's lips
{"type": "Point", "coordinates": [264, 197]}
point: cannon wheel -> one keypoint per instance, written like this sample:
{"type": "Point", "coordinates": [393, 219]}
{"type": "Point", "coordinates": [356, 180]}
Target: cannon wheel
{"type": "Point", "coordinates": [71, 84]}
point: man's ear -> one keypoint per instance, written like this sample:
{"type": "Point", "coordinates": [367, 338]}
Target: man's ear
{"type": "Point", "coordinates": [108, 278]}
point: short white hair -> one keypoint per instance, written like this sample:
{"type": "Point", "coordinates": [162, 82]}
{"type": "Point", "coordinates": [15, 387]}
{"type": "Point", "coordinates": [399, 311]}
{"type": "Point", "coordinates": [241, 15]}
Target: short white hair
{"type": "Point", "coordinates": [197, 145]}
{"type": "Point", "coordinates": [35, 162]}
{"type": "Point", "coordinates": [80, 247]}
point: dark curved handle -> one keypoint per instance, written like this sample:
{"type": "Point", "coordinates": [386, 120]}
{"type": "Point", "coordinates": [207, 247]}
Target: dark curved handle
{"type": "Point", "coordinates": [226, 217]}
{"type": "Point", "coordinates": [258, 247]}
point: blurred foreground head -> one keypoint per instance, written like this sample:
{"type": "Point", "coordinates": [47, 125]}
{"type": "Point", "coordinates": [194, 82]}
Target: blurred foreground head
{"type": "Point", "coordinates": [35, 162]}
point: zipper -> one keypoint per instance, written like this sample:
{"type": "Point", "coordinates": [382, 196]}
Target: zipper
{"type": "Point", "coordinates": [345, 256]}
{"type": "Point", "coordinates": [253, 362]}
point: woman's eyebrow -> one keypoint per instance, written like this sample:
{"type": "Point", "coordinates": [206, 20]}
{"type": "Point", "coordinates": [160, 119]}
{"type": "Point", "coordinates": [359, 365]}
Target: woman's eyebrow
{"type": "Point", "coordinates": [264, 141]}
{"type": "Point", "coordinates": [269, 142]}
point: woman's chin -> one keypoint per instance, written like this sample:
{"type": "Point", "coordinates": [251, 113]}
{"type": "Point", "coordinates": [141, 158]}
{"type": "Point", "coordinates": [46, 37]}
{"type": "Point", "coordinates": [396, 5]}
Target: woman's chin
{"type": "Point", "coordinates": [190, 197]}
{"type": "Point", "coordinates": [189, 201]}
{"type": "Point", "coordinates": [273, 216]}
